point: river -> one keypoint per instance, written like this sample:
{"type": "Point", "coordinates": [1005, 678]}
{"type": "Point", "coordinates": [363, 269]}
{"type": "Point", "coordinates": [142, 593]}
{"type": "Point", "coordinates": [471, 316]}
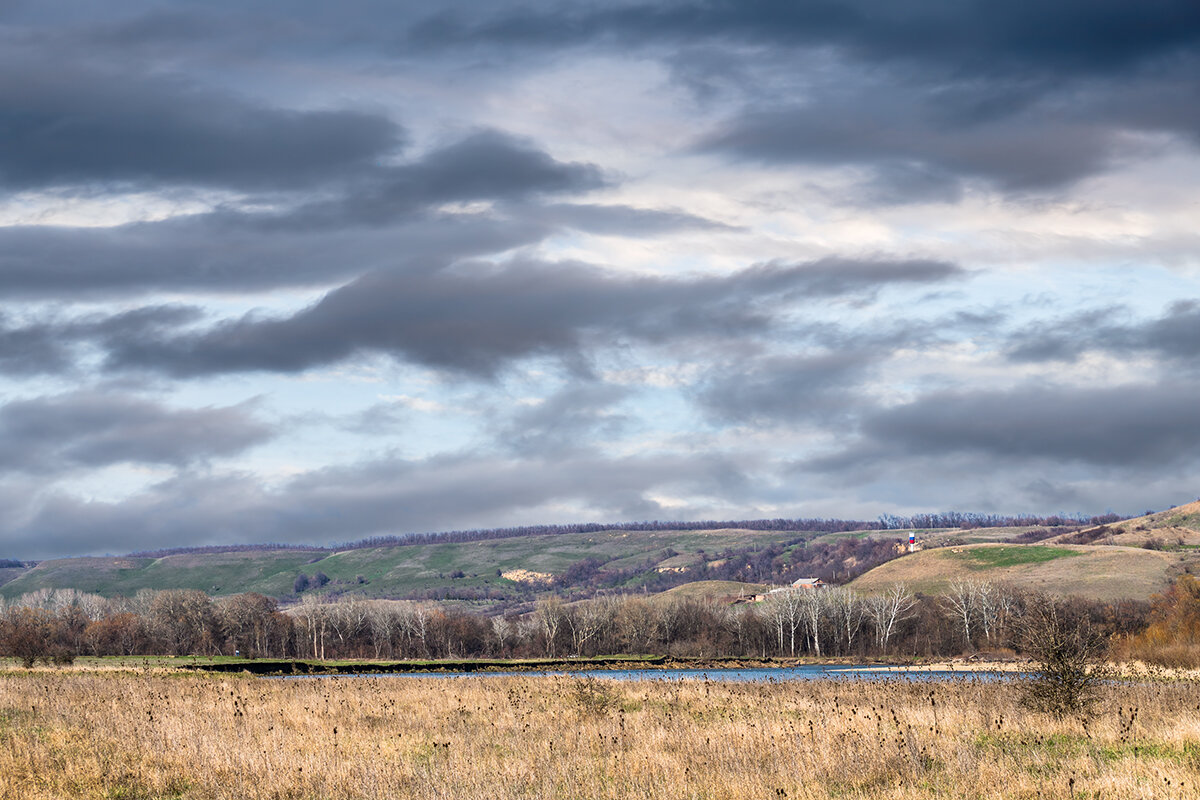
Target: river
{"type": "Point", "coordinates": [808, 672]}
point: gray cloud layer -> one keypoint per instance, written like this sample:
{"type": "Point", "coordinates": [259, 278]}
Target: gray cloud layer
{"type": "Point", "coordinates": [62, 126]}
{"type": "Point", "coordinates": [368, 153]}
{"type": "Point", "coordinates": [1070, 35]}
{"type": "Point", "coordinates": [376, 497]}
{"type": "Point", "coordinates": [93, 429]}
{"type": "Point", "coordinates": [1175, 336]}
{"type": "Point", "coordinates": [478, 318]}
{"type": "Point", "coordinates": [1136, 425]}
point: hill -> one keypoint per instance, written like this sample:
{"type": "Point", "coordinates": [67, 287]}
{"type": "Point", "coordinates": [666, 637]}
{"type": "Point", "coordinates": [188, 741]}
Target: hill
{"type": "Point", "coordinates": [717, 591]}
{"type": "Point", "coordinates": [1134, 558]}
{"type": "Point", "coordinates": [487, 570]}
{"type": "Point", "coordinates": [1107, 572]}
{"type": "Point", "coordinates": [1175, 528]}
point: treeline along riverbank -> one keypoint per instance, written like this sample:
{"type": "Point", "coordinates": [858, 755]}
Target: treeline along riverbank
{"type": "Point", "coordinates": [972, 617]}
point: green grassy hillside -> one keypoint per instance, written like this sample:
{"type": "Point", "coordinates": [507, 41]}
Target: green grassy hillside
{"type": "Point", "coordinates": [391, 571]}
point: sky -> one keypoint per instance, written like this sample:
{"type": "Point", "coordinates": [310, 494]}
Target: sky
{"type": "Point", "coordinates": [315, 272]}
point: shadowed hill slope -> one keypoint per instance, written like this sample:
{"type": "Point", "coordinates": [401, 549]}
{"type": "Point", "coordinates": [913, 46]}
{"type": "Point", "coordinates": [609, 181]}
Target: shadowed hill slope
{"type": "Point", "coordinates": [1177, 527]}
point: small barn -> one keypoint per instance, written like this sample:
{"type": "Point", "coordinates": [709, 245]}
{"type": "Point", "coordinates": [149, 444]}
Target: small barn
{"type": "Point", "coordinates": [807, 583]}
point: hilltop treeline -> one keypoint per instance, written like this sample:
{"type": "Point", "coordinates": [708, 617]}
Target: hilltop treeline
{"type": "Point", "coordinates": [944, 519]}
{"type": "Point", "coordinates": [966, 521]}
{"type": "Point", "coordinates": [792, 622]}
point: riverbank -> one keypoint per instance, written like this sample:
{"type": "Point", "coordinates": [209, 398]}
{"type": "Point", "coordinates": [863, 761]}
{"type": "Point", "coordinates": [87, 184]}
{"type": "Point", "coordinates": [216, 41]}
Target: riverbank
{"type": "Point", "coordinates": [228, 664]}
{"type": "Point", "coordinates": [281, 667]}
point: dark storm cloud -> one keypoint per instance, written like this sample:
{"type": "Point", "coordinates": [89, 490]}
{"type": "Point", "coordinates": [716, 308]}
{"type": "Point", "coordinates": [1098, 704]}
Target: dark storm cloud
{"type": "Point", "coordinates": [32, 349]}
{"type": "Point", "coordinates": [95, 429]}
{"type": "Point", "coordinates": [1025, 96]}
{"type": "Point", "coordinates": [66, 127]}
{"type": "Point", "coordinates": [214, 252]}
{"type": "Point", "coordinates": [477, 318]}
{"type": "Point", "coordinates": [387, 219]}
{"type": "Point", "coordinates": [380, 497]}
{"type": "Point", "coordinates": [487, 165]}
{"type": "Point", "coordinates": [1174, 336]}
{"type": "Point", "coordinates": [48, 346]}
{"type": "Point", "coordinates": [981, 36]}
{"type": "Point", "coordinates": [1063, 36]}
{"type": "Point", "coordinates": [911, 146]}
{"type": "Point", "coordinates": [239, 251]}
{"type": "Point", "coordinates": [1136, 426]}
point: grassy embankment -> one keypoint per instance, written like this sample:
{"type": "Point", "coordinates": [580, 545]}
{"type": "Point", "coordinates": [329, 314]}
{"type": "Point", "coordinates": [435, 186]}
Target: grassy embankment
{"type": "Point", "coordinates": [304, 666]}
{"type": "Point", "coordinates": [121, 735]}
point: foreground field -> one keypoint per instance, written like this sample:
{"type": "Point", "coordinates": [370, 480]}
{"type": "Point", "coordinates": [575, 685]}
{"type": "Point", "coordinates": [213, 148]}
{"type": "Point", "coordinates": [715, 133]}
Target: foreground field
{"type": "Point", "coordinates": [127, 735]}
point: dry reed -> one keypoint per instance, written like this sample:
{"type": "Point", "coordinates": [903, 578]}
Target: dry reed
{"type": "Point", "coordinates": [79, 734]}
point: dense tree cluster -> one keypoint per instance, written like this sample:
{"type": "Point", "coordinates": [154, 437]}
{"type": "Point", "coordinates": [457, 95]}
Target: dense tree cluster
{"type": "Point", "coordinates": [1172, 637]}
{"type": "Point", "coordinates": [969, 520]}
{"type": "Point", "coordinates": [791, 622]}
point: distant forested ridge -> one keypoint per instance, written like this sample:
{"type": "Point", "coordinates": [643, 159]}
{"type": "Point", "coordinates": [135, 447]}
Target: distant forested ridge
{"type": "Point", "coordinates": [944, 519]}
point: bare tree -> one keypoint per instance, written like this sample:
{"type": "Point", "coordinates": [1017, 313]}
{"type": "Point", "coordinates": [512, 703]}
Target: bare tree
{"type": "Point", "coordinates": [1068, 650]}
{"type": "Point", "coordinates": [415, 621]}
{"type": "Point", "coordinates": [666, 621]}
{"type": "Point", "coordinates": [348, 618]}
{"type": "Point", "coordinates": [987, 609]}
{"type": "Point", "coordinates": [846, 609]}
{"type": "Point", "coordinates": [887, 610]}
{"type": "Point", "coordinates": [586, 620]}
{"type": "Point", "coordinates": [247, 621]}
{"type": "Point", "coordinates": [1006, 610]}
{"type": "Point", "coordinates": [813, 609]}
{"type": "Point", "coordinates": [549, 613]}
{"type": "Point", "coordinates": [786, 611]}
{"type": "Point", "coordinates": [962, 600]}
{"type": "Point", "coordinates": [505, 631]}
{"type": "Point", "coordinates": [383, 622]}
{"type": "Point", "coordinates": [185, 621]}
{"type": "Point", "coordinates": [736, 621]}
{"type": "Point", "coordinates": [314, 619]}
{"type": "Point", "coordinates": [635, 624]}
{"type": "Point", "coordinates": [25, 633]}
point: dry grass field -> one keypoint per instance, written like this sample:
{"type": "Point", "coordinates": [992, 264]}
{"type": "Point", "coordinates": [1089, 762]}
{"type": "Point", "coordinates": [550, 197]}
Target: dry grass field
{"type": "Point", "coordinates": [78, 734]}
{"type": "Point", "coordinates": [1095, 572]}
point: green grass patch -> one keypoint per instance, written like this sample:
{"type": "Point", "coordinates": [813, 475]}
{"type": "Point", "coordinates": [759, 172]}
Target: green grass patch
{"type": "Point", "coordinates": [1011, 555]}
{"type": "Point", "coordinates": [1184, 521]}
{"type": "Point", "coordinates": [1059, 746]}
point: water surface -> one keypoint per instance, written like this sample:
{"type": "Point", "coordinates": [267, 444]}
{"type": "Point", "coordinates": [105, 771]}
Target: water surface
{"type": "Point", "coordinates": [807, 672]}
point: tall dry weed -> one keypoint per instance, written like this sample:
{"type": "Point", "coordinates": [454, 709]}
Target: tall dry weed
{"type": "Point", "coordinates": [123, 735]}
